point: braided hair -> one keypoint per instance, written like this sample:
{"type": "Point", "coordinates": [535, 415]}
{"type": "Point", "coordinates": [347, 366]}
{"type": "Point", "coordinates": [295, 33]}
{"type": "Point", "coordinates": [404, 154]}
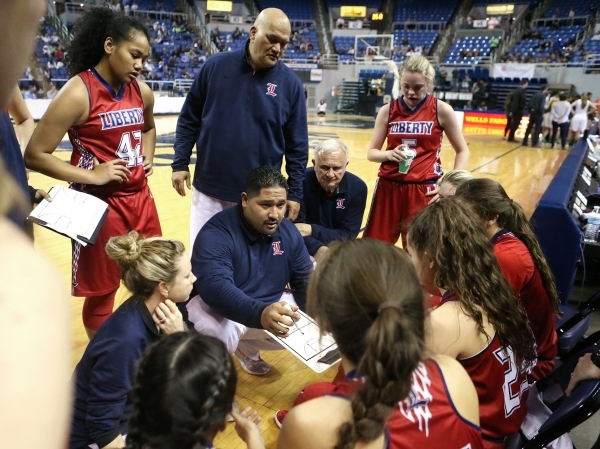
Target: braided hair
{"type": "Point", "coordinates": [183, 391]}
{"type": "Point", "coordinates": [91, 31]}
{"type": "Point", "coordinates": [367, 294]}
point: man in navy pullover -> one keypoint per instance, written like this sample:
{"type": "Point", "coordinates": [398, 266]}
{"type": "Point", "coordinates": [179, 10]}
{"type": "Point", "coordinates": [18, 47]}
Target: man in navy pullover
{"type": "Point", "coordinates": [245, 109]}
{"type": "Point", "coordinates": [244, 259]}
{"type": "Point", "coordinates": [334, 200]}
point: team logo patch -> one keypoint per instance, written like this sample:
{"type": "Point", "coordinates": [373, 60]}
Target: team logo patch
{"type": "Point", "coordinates": [340, 203]}
{"type": "Point", "coordinates": [271, 89]}
{"type": "Point", "coordinates": [277, 251]}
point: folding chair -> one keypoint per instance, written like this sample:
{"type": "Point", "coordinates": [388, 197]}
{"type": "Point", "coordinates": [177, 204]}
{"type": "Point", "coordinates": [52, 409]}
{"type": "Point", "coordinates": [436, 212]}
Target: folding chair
{"type": "Point", "coordinates": [573, 324]}
{"type": "Point", "coordinates": [567, 411]}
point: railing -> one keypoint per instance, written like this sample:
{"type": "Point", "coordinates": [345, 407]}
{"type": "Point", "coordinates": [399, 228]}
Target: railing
{"type": "Point", "coordinates": [413, 25]}
{"type": "Point", "coordinates": [562, 21]}
{"type": "Point", "coordinates": [592, 64]}
{"type": "Point", "coordinates": [58, 24]}
{"type": "Point", "coordinates": [224, 18]}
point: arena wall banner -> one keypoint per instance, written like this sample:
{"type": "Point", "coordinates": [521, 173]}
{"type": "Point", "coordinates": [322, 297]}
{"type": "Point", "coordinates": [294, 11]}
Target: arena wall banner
{"type": "Point", "coordinates": [513, 71]}
{"type": "Point", "coordinates": [490, 123]}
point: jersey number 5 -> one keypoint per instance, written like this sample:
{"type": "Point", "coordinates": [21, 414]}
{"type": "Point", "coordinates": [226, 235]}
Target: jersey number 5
{"type": "Point", "coordinates": [127, 151]}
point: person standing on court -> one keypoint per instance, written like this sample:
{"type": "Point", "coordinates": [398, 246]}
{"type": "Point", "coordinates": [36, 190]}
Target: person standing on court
{"type": "Point", "coordinates": [537, 107]}
{"type": "Point", "coordinates": [244, 110]}
{"type": "Point", "coordinates": [108, 115]}
{"type": "Point", "coordinates": [515, 108]}
{"type": "Point", "coordinates": [410, 165]}
{"type": "Point", "coordinates": [334, 199]}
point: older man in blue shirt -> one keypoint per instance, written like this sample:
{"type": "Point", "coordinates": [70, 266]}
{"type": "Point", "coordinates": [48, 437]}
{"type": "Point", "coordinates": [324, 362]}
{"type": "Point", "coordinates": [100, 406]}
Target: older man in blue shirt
{"type": "Point", "coordinates": [250, 264]}
{"type": "Point", "coordinates": [334, 199]}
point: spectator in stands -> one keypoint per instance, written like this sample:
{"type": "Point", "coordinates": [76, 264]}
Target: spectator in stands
{"type": "Point", "coordinates": [237, 33]}
{"type": "Point", "coordinates": [494, 43]}
{"type": "Point", "coordinates": [215, 109]}
{"type": "Point", "coordinates": [455, 76]}
{"type": "Point", "coordinates": [340, 22]}
{"type": "Point", "coordinates": [515, 108]}
{"type": "Point", "coordinates": [479, 94]}
{"type": "Point", "coordinates": [537, 107]}
{"type": "Point", "coordinates": [351, 50]}
{"type": "Point", "coordinates": [334, 199]}
{"type": "Point", "coordinates": [51, 92]}
{"type": "Point", "coordinates": [596, 37]}
{"type": "Point", "coordinates": [560, 119]}
{"type": "Point", "coordinates": [466, 82]}
{"type": "Point", "coordinates": [31, 93]}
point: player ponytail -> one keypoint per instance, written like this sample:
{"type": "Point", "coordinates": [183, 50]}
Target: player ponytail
{"type": "Point", "coordinates": [488, 198]}
{"type": "Point", "coordinates": [183, 390]}
{"type": "Point", "coordinates": [465, 264]}
{"type": "Point", "coordinates": [91, 31]}
{"type": "Point", "coordinates": [367, 294]}
{"type": "Point", "coordinates": [145, 262]}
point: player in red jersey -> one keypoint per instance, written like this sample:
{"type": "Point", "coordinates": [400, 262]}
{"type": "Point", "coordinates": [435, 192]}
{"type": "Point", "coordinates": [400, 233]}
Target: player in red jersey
{"type": "Point", "coordinates": [522, 262]}
{"type": "Point", "coordinates": [480, 321]}
{"type": "Point", "coordinates": [413, 124]}
{"type": "Point", "coordinates": [108, 115]}
{"type": "Point", "coordinates": [367, 294]}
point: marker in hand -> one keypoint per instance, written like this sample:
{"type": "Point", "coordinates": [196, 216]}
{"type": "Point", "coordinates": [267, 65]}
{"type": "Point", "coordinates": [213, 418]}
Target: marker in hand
{"type": "Point", "coordinates": [293, 320]}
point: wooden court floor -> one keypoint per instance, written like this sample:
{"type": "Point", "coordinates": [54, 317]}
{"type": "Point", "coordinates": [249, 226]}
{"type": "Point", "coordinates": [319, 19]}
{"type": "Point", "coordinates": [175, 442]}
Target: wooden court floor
{"type": "Point", "coordinates": [523, 171]}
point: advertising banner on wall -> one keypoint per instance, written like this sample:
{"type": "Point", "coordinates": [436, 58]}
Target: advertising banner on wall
{"type": "Point", "coordinates": [513, 70]}
{"type": "Point", "coordinates": [481, 122]}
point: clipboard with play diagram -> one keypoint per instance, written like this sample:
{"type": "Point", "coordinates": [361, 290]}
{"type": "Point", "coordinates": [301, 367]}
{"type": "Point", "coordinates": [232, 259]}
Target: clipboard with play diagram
{"type": "Point", "coordinates": [73, 214]}
{"type": "Point", "coordinates": [316, 350]}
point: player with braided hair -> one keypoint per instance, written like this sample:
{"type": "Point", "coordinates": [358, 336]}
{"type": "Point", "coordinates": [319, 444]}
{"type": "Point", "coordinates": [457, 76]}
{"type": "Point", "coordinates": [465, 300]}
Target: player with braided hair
{"type": "Point", "coordinates": [480, 321]}
{"type": "Point", "coordinates": [367, 294]}
{"type": "Point", "coordinates": [183, 392]}
{"type": "Point", "coordinates": [108, 115]}
{"type": "Point", "coordinates": [158, 273]}
{"type": "Point", "coordinates": [522, 262]}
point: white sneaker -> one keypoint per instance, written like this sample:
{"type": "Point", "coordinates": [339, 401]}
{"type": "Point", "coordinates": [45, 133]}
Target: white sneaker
{"type": "Point", "coordinates": [255, 367]}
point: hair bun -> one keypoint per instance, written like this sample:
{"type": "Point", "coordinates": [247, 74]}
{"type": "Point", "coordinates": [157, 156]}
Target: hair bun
{"type": "Point", "coordinates": [125, 249]}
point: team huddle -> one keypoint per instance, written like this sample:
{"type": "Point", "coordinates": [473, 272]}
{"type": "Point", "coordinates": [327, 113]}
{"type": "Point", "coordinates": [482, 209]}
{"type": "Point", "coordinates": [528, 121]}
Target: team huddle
{"type": "Point", "coordinates": [439, 340]}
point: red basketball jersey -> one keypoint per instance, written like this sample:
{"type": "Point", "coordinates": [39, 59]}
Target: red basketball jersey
{"type": "Point", "coordinates": [502, 389]}
{"type": "Point", "coordinates": [523, 276]}
{"type": "Point", "coordinates": [421, 131]}
{"type": "Point", "coordinates": [427, 417]}
{"type": "Point", "coordinates": [113, 130]}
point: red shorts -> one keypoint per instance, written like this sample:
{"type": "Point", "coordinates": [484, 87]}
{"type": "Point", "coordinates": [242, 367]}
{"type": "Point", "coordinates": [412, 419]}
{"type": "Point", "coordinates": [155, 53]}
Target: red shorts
{"type": "Point", "coordinates": [394, 205]}
{"type": "Point", "coordinates": [94, 273]}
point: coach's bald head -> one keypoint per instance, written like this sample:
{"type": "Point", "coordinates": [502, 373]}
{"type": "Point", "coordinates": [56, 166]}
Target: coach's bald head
{"type": "Point", "coordinates": [269, 37]}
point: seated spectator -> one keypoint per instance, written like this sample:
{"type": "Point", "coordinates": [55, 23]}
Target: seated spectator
{"type": "Point", "coordinates": [31, 93]}
{"type": "Point", "coordinates": [245, 257]}
{"type": "Point", "coordinates": [158, 274]}
{"type": "Point", "coordinates": [395, 395]}
{"type": "Point", "coordinates": [184, 390]}
{"type": "Point", "coordinates": [334, 199]}
{"type": "Point", "coordinates": [237, 33]}
{"type": "Point", "coordinates": [52, 92]}
{"type": "Point", "coordinates": [340, 22]}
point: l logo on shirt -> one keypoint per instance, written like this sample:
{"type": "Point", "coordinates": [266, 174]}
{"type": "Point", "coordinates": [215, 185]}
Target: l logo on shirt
{"type": "Point", "coordinates": [271, 89]}
{"type": "Point", "coordinates": [277, 251]}
{"type": "Point", "coordinates": [340, 203]}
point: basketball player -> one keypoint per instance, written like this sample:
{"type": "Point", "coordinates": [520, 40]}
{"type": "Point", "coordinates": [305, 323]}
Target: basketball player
{"type": "Point", "coordinates": [108, 115]}
{"type": "Point", "coordinates": [579, 122]}
{"type": "Point", "coordinates": [451, 180]}
{"type": "Point", "coordinates": [367, 294]}
{"type": "Point", "coordinates": [480, 321]}
{"type": "Point", "coordinates": [522, 262]}
{"type": "Point", "coordinates": [35, 350]}
{"type": "Point", "coordinates": [413, 123]}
